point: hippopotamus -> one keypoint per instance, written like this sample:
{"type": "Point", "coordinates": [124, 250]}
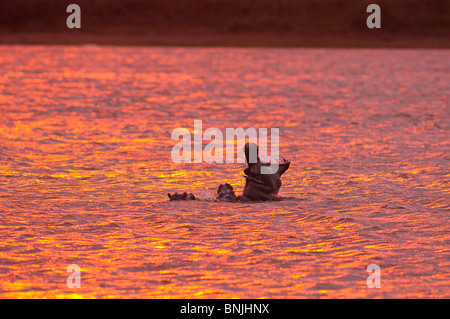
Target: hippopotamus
{"type": "Point", "coordinates": [258, 186]}
{"type": "Point", "coordinates": [182, 196]}
{"type": "Point", "coordinates": [225, 193]}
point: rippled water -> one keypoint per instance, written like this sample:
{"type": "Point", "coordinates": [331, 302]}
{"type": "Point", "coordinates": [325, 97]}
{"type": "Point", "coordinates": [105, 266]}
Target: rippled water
{"type": "Point", "coordinates": [86, 168]}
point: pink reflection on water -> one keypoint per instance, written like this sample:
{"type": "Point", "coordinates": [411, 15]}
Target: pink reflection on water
{"type": "Point", "coordinates": [85, 169]}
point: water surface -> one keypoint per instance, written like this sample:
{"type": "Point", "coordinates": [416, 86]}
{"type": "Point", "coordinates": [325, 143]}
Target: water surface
{"type": "Point", "coordinates": [85, 167]}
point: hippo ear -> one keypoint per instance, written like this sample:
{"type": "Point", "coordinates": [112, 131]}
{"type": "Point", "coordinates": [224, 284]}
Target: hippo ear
{"type": "Point", "coordinates": [168, 194]}
{"type": "Point", "coordinates": [220, 187]}
{"type": "Point", "coordinates": [229, 186]}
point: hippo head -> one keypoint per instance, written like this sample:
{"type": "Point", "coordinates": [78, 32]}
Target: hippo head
{"type": "Point", "coordinates": [224, 188]}
{"type": "Point", "coordinates": [225, 193]}
{"type": "Point", "coordinates": [183, 196]}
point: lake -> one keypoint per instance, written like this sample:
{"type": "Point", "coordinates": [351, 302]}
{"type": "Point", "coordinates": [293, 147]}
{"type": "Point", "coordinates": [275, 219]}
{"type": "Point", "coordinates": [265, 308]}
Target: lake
{"type": "Point", "coordinates": [85, 168]}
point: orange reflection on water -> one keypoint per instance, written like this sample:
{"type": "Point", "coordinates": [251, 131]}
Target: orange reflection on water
{"type": "Point", "coordinates": [85, 169]}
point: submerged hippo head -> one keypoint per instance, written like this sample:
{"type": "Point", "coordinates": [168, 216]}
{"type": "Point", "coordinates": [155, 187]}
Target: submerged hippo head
{"type": "Point", "coordinates": [225, 193]}
{"type": "Point", "coordinates": [183, 196]}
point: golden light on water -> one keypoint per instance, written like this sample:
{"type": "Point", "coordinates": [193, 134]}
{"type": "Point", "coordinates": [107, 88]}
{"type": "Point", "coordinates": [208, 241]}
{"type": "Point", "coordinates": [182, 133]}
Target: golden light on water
{"type": "Point", "coordinates": [86, 167]}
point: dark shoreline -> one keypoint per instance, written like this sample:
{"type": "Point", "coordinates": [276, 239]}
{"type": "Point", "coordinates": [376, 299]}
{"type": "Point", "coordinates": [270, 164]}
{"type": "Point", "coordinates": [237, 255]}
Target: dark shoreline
{"type": "Point", "coordinates": [228, 23]}
{"type": "Point", "coordinates": [214, 40]}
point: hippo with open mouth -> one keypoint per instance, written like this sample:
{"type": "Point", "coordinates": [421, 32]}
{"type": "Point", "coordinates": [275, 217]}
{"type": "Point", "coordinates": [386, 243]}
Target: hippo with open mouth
{"type": "Point", "coordinates": [258, 186]}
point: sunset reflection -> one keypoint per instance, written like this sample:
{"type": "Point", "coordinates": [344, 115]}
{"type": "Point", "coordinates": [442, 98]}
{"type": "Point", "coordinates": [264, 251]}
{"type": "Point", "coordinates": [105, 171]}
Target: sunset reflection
{"type": "Point", "coordinates": [86, 167]}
